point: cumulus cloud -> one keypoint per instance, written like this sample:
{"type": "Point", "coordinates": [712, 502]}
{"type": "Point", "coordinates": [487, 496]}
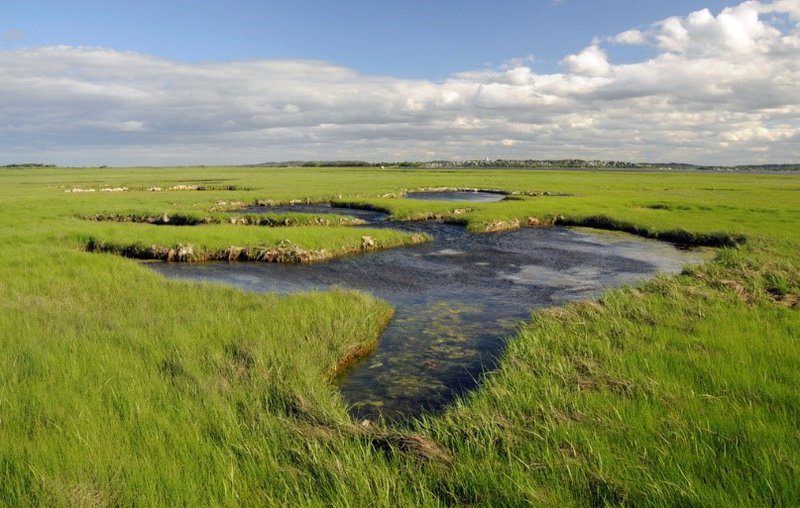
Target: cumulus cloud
{"type": "Point", "coordinates": [592, 61]}
{"type": "Point", "coordinates": [633, 37]}
{"type": "Point", "coordinates": [736, 29]}
{"type": "Point", "coordinates": [722, 88]}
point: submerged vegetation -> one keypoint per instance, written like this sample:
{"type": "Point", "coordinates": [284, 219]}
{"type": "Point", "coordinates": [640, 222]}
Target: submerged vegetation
{"type": "Point", "coordinates": [118, 386]}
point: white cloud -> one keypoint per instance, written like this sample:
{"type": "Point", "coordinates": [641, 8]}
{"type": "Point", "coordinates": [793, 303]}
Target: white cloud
{"type": "Point", "coordinates": [722, 88]}
{"type": "Point", "coordinates": [632, 37]}
{"type": "Point", "coordinates": [790, 7]}
{"type": "Point", "coordinates": [735, 30]}
{"type": "Point", "coordinates": [592, 61]}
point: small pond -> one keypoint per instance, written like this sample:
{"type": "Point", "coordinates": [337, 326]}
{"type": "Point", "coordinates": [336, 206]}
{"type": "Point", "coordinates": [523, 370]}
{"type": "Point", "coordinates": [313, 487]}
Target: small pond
{"type": "Point", "coordinates": [456, 299]}
{"type": "Point", "coordinates": [471, 196]}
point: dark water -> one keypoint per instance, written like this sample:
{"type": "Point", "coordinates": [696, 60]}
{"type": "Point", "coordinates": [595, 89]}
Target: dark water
{"type": "Point", "coordinates": [456, 298]}
{"type": "Point", "coordinates": [369, 216]}
{"type": "Point", "coordinates": [471, 196]}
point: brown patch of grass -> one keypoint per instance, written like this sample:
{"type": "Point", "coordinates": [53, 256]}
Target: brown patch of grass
{"type": "Point", "coordinates": [789, 300]}
{"type": "Point", "coordinates": [739, 289]}
{"type": "Point", "coordinates": [411, 444]}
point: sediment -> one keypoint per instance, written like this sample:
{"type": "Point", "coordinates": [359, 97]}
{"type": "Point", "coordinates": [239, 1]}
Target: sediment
{"type": "Point", "coordinates": [286, 252]}
{"type": "Point", "coordinates": [178, 219]}
{"type": "Point", "coordinates": [179, 187]}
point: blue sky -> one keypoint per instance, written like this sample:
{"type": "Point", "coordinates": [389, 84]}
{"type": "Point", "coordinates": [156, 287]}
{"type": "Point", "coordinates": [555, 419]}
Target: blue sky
{"type": "Point", "coordinates": [412, 39]}
{"type": "Point", "coordinates": [155, 82]}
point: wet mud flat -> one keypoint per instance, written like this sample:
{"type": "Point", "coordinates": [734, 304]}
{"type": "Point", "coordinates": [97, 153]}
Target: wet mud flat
{"type": "Point", "coordinates": [457, 299]}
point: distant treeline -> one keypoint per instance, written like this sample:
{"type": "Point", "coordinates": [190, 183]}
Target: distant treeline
{"type": "Point", "coordinates": [758, 167]}
{"type": "Point", "coordinates": [535, 164]}
{"type": "Point", "coordinates": [313, 164]}
{"type": "Point", "coordinates": [28, 165]}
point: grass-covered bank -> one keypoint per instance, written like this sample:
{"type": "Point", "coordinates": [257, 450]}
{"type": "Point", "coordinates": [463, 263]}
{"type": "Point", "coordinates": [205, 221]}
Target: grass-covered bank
{"type": "Point", "coordinates": [132, 389]}
{"type": "Point", "coordinates": [215, 243]}
{"type": "Point", "coordinates": [120, 387]}
{"type": "Point", "coordinates": [678, 392]}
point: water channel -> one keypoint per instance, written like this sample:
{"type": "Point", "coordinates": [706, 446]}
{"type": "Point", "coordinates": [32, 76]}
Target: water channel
{"type": "Point", "coordinates": [456, 299]}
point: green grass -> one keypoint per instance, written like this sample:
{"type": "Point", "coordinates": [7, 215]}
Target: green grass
{"type": "Point", "coordinates": [120, 387]}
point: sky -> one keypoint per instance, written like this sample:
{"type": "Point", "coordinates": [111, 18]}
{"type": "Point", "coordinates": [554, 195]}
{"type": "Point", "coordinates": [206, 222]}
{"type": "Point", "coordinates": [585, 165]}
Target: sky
{"type": "Point", "coordinates": [234, 82]}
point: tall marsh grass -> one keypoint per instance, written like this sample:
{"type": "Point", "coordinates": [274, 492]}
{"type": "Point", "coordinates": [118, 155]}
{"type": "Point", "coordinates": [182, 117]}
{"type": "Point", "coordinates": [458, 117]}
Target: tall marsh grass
{"type": "Point", "coordinates": [119, 387]}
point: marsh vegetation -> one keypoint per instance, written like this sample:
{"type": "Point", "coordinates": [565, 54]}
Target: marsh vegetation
{"type": "Point", "coordinates": [119, 386]}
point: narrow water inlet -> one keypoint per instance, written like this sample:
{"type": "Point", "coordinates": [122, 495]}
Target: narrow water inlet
{"type": "Point", "coordinates": [456, 298]}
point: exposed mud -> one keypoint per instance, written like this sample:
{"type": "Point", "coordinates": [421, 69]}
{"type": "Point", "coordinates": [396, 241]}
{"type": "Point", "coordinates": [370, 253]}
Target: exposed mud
{"type": "Point", "coordinates": [180, 187]}
{"type": "Point", "coordinates": [179, 219]}
{"type": "Point", "coordinates": [285, 253]}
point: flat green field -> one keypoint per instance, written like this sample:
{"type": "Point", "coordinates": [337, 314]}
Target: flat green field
{"type": "Point", "coordinates": [120, 387]}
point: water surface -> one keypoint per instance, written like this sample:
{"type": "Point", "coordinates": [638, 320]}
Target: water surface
{"type": "Point", "coordinates": [471, 196]}
{"type": "Point", "coordinates": [456, 299]}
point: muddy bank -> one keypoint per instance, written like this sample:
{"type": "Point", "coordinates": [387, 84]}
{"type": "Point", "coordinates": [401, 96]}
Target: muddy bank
{"type": "Point", "coordinates": [180, 219]}
{"type": "Point", "coordinates": [354, 356]}
{"type": "Point", "coordinates": [180, 187]}
{"type": "Point", "coordinates": [286, 252]}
